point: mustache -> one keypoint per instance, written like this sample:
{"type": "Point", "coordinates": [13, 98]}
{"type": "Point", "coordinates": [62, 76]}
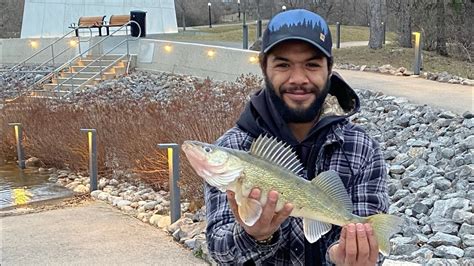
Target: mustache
{"type": "Point", "coordinates": [311, 89]}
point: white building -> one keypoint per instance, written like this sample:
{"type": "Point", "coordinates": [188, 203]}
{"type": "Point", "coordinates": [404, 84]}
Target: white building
{"type": "Point", "coordinates": [51, 18]}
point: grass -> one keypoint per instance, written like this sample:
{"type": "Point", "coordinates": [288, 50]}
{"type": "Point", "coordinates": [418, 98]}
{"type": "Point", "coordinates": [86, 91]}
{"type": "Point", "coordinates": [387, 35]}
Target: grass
{"type": "Point", "coordinates": [362, 55]}
{"type": "Point", "coordinates": [403, 57]}
{"type": "Point", "coordinates": [233, 33]}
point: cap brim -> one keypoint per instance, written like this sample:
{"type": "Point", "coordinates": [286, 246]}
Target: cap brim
{"type": "Point", "coordinates": [297, 38]}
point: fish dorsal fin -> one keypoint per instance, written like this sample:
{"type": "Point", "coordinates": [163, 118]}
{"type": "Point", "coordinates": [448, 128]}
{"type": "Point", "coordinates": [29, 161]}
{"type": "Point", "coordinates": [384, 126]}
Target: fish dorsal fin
{"type": "Point", "coordinates": [276, 152]}
{"type": "Point", "coordinates": [330, 183]}
{"type": "Point", "coordinates": [313, 230]}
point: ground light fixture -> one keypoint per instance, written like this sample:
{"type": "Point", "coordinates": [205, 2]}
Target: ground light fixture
{"type": "Point", "coordinates": [34, 44]}
{"type": "Point", "coordinates": [283, 8]}
{"type": "Point", "coordinates": [19, 146]}
{"type": "Point", "coordinates": [173, 170]}
{"type": "Point", "coordinates": [168, 48]}
{"type": "Point", "coordinates": [92, 143]}
{"type": "Point", "coordinates": [417, 63]}
{"type": "Point", "coordinates": [211, 53]}
{"type": "Point", "coordinates": [73, 43]}
{"type": "Point", "coordinates": [253, 59]}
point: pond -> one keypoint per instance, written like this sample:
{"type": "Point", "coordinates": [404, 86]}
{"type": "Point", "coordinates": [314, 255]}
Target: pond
{"type": "Point", "coordinates": [23, 187]}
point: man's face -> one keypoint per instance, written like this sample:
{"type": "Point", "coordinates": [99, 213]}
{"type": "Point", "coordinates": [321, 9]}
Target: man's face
{"type": "Point", "coordinates": [297, 73]}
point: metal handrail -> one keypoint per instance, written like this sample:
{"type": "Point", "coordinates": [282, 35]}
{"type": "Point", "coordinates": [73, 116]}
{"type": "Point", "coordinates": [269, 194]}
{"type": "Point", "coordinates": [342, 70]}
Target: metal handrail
{"type": "Point", "coordinates": [69, 63]}
{"type": "Point", "coordinates": [40, 51]}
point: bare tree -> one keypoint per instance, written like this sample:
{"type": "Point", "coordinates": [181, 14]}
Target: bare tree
{"type": "Point", "coordinates": [441, 29]}
{"type": "Point", "coordinates": [376, 29]}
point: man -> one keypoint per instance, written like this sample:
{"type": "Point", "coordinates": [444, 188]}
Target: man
{"type": "Point", "coordinates": [307, 106]}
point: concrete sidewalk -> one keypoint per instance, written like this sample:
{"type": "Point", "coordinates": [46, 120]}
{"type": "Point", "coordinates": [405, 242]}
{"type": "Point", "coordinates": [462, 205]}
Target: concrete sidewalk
{"type": "Point", "coordinates": [452, 97]}
{"type": "Point", "coordinates": [91, 234]}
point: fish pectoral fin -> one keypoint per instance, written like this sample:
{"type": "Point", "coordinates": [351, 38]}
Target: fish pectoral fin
{"type": "Point", "coordinates": [313, 230]}
{"type": "Point", "coordinates": [249, 210]}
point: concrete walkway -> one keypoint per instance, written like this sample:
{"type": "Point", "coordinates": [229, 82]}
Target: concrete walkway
{"type": "Point", "coordinates": [452, 97]}
{"type": "Point", "coordinates": [92, 234]}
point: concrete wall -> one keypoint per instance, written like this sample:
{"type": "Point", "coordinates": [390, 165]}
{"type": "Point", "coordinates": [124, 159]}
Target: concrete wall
{"type": "Point", "coordinates": [196, 59]}
{"type": "Point", "coordinates": [51, 18]}
{"type": "Point", "coordinates": [216, 62]}
{"type": "Point", "coordinates": [13, 51]}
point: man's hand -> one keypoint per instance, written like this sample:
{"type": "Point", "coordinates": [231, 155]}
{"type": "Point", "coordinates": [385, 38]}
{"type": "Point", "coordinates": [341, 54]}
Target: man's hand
{"type": "Point", "coordinates": [269, 220]}
{"type": "Point", "coordinates": [357, 246]}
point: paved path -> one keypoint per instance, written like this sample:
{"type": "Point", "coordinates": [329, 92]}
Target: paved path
{"type": "Point", "coordinates": [92, 234]}
{"type": "Point", "coordinates": [452, 97]}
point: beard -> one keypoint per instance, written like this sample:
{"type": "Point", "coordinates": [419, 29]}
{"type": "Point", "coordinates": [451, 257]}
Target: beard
{"type": "Point", "coordinates": [295, 115]}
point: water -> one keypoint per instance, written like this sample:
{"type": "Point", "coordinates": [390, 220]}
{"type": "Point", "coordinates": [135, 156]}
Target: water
{"type": "Point", "coordinates": [18, 187]}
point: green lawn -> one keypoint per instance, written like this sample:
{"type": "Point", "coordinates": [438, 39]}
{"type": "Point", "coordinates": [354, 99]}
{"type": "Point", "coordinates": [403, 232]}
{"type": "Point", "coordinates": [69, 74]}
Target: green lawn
{"type": "Point", "coordinates": [398, 57]}
{"type": "Point", "coordinates": [389, 54]}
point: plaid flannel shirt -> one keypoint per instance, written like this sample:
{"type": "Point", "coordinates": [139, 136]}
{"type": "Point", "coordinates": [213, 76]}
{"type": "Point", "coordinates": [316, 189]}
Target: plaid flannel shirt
{"type": "Point", "coordinates": [229, 244]}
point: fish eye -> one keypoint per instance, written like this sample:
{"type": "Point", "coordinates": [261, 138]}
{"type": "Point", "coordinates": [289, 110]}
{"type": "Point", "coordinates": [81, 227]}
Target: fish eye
{"type": "Point", "coordinates": [207, 149]}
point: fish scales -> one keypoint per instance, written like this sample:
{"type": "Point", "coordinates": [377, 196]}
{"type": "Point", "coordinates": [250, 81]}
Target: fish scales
{"type": "Point", "coordinates": [272, 165]}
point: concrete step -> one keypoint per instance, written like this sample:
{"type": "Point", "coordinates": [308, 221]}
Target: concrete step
{"type": "Point", "coordinates": [74, 80]}
{"type": "Point", "coordinates": [95, 69]}
{"type": "Point", "coordinates": [105, 62]}
{"type": "Point", "coordinates": [65, 87]}
{"type": "Point", "coordinates": [44, 94]}
{"type": "Point", "coordinates": [107, 57]}
{"type": "Point", "coordinates": [105, 75]}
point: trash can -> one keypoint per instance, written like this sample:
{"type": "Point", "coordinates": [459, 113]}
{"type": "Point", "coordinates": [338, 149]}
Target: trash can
{"type": "Point", "coordinates": [139, 17]}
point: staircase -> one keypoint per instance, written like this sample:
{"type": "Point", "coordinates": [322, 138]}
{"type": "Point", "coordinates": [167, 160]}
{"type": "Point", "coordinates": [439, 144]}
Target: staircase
{"type": "Point", "coordinates": [81, 73]}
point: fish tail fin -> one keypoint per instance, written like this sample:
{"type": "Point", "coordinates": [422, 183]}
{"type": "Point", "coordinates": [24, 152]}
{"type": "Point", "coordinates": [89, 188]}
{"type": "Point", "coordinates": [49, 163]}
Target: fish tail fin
{"type": "Point", "coordinates": [384, 226]}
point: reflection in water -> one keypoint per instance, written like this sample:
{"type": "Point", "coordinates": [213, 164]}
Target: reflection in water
{"type": "Point", "coordinates": [18, 187]}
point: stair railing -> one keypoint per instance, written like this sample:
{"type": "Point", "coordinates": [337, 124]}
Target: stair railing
{"type": "Point", "coordinates": [99, 59]}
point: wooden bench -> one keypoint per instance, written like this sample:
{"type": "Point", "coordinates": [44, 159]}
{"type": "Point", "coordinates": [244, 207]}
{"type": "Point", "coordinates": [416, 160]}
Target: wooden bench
{"type": "Point", "coordinates": [117, 21]}
{"type": "Point", "coordinates": [89, 22]}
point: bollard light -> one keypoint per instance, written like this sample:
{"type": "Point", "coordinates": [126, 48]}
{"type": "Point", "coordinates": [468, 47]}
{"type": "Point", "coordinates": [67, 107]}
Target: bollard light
{"type": "Point", "coordinates": [92, 142]}
{"type": "Point", "coordinates": [338, 35]}
{"type": "Point", "coordinates": [245, 31]}
{"type": "Point", "coordinates": [19, 146]}
{"type": "Point", "coordinates": [173, 170]}
{"type": "Point", "coordinates": [417, 64]}
{"type": "Point", "coordinates": [283, 8]}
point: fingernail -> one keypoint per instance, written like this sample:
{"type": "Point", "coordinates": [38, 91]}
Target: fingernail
{"type": "Point", "coordinates": [368, 228]}
{"type": "Point", "coordinates": [351, 228]}
{"type": "Point", "coordinates": [360, 227]}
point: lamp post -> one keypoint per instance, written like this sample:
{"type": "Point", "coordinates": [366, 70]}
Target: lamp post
{"type": "Point", "coordinates": [283, 8]}
{"type": "Point", "coordinates": [173, 170]}
{"type": "Point", "coordinates": [245, 31]}
{"type": "Point", "coordinates": [19, 146]}
{"type": "Point", "coordinates": [238, 9]}
{"type": "Point", "coordinates": [92, 141]}
{"type": "Point", "coordinates": [210, 23]}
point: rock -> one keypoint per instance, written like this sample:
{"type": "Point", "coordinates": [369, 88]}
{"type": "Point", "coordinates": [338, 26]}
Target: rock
{"type": "Point", "coordinates": [449, 252]}
{"type": "Point", "coordinates": [469, 253]}
{"type": "Point", "coordinates": [190, 243]}
{"type": "Point", "coordinates": [466, 229]}
{"type": "Point", "coordinates": [95, 194]}
{"type": "Point", "coordinates": [32, 162]}
{"type": "Point", "coordinates": [446, 208]}
{"type": "Point", "coordinates": [81, 189]}
{"type": "Point", "coordinates": [468, 240]}
{"type": "Point", "coordinates": [460, 216]}
{"type": "Point", "coordinates": [150, 205]}
{"type": "Point", "coordinates": [176, 225]}
{"type": "Point", "coordinates": [468, 143]}
{"type": "Point", "coordinates": [121, 203]}
{"type": "Point", "coordinates": [163, 222]}
{"type": "Point", "coordinates": [444, 239]}
{"type": "Point", "coordinates": [397, 169]}
{"type": "Point", "coordinates": [103, 196]}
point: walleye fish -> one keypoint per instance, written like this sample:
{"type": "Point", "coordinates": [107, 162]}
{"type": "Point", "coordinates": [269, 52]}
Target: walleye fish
{"type": "Point", "coordinates": [273, 165]}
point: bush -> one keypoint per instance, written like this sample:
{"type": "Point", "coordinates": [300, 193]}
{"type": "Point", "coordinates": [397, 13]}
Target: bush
{"type": "Point", "coordinates": [128, 130]}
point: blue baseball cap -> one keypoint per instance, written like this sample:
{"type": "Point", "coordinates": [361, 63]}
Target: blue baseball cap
{"type": "Point", "coordinates": [298, 24]}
